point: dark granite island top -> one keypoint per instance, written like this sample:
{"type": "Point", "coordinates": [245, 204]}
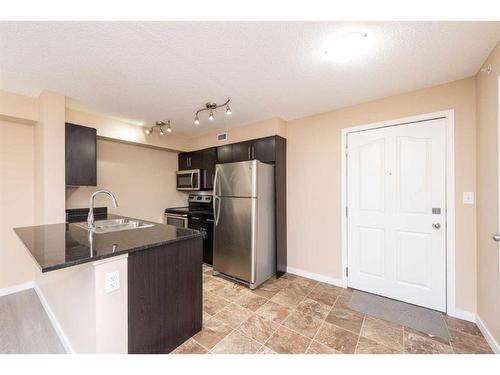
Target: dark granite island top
{"type": "Point", "coordinates": [56, 246]}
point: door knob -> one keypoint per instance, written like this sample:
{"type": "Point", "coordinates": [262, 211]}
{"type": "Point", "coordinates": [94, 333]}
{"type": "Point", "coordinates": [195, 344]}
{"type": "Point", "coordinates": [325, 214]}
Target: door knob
{"type": "Point", "coordinates": [496, 237]}
{"type": "Point", "coordinates": [436, 225]}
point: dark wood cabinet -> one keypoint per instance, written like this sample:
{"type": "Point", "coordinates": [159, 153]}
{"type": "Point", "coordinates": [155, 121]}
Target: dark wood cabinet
{"type": "Point", "coordinates": [224, 154]}
{"type": "Point", "coordinates": [204, 160]}
{"type": "Point", "coordinates": [81, 155]}
{"type": "Point", "coordinates": [164, 296]}
{"type": "Point", "coordinates": [183, 161]}
{"type": "Point", "coordinates": [264, 149]}
{"type": "Point", "coordinates": [207, 166]}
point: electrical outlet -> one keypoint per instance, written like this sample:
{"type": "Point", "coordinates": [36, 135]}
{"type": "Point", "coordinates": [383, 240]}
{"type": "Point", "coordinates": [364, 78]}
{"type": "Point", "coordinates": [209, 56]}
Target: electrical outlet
{"type": "Point", "coordinates": [112, 281]}
{"type": "Point", "coordinates": [468, 197]}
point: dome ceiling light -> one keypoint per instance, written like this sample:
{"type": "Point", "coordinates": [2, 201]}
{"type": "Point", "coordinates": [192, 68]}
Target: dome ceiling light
{"type": "Point", "coordinates": [210, 107]}
{"type": "Point", "coordinates": [160, 125]}
{"type": "Point", "coordinates": [347, 47]}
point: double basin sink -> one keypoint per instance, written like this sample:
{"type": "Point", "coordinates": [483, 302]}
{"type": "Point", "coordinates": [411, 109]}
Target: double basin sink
{"type": "Point", "coordinates": [115, 225]}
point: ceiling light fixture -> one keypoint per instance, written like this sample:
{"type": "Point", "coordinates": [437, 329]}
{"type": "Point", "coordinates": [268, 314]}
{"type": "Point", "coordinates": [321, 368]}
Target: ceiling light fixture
{"type": "Point", "coordinates": [211, 107]}
{"type": "Point", "coordinates": [159, 125]}
{"type": "Point", "coordinates": [347, 47]}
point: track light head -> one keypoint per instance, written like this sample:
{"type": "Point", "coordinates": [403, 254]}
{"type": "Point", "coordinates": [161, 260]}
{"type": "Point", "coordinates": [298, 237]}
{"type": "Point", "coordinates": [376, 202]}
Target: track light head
{"type": "Point", "coordinates": [228, 110]}
{"type": "Point", "coordinates": [211, 116]}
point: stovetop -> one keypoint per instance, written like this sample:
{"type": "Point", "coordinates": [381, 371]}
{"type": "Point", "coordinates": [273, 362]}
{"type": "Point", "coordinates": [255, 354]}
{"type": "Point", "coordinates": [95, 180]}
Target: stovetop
{"type": "Point", "coordinates": [198, 205]}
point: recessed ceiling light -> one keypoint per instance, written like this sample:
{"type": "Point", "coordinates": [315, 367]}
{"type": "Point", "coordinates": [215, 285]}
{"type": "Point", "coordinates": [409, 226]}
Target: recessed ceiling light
{"type": "Point", "coordinates": [347, 47]}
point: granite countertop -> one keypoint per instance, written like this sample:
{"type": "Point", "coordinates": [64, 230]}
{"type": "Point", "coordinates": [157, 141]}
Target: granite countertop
{"type": "Point", "coordinates": [56, 246]}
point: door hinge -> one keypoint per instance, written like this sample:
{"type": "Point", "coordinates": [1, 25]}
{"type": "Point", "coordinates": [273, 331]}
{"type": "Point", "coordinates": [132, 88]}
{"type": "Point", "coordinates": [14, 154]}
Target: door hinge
{"type": "Point", "coordinates": [346, 152]}
{"type": "Point", "coordinates": [346, 211]}
{"type": "Point", "coordinates": [347, 271]}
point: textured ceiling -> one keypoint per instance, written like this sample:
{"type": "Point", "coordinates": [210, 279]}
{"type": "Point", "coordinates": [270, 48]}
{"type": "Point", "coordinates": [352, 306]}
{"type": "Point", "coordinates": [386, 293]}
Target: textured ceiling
{"type": "Point", "coordinates": [147, 71]}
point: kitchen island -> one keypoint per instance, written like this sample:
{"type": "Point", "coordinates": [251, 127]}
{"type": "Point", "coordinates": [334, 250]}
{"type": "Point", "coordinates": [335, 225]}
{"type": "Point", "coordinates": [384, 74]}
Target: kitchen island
{"type": "Point", "coordinates": [121, 291]}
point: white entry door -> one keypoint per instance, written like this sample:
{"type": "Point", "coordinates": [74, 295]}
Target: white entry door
{"type": "Point", "coordinates": [396, 220]}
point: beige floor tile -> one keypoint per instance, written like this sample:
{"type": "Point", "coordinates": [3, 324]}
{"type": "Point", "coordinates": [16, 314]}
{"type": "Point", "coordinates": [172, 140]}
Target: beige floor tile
{"type": "Point", "coordinates": [314, 308]}
{"type": "Point", "coordinates": [327, 298]}
{"type": "Point", "coordinates": [190, 347]}
{"type": "Point", "coordinates": [337, 338]}
{"type": "Point", "coordinates": [233, 315]}
{"type": "Point", "coordinates": [383, 332]}
{"type": "Point", "coordinates": [464, 343]}
{"type": "Point", "coordinates": [251, 301]}
{"type": "Point", "coordinates": [258, 328]}
{"type": "Point", "coordinates": [213, 285]}
{"type": "Point", "coordinates": [289, 276]}
{"type": "Point", "coordinates": [328, 288]}
{"type": "Point", "coordinates": [232, 292]}
{"type": "Point", "coordinates": [346, 319]}
{"type": "Point", "coordinates": [213, 331]}
{"type": "Point", "coordinates": [462, 326]}
{"type": "Point", "coordinates": [272, 311]}
{"type": "Point", "coordinates": [286, 341]}
{"type": "Point", "coordinates": [212, 303]}
{"type": "Point", "coordinates": [426, 335]}
{"type": "Point", "coordinates": [265, 350]}
{"type": "Point", "coordinates": [206, 316]}
{"type": "Point", "coordinates": [304, 324]}
{"type": "Point", "coordinates": [306, 284]}
{"type": "Point", "coordinates": [417, 344]}
{"type": "Point", "coordinates": [367, 346]}
{"type": "Point", "coordinates": [268, 289]}
{"type": "Point", "coordinates": [236, 343]}
{"type": "Point", "coordinates": [289, 297]}
{"type": "Point", "coordinates": [318, 348]}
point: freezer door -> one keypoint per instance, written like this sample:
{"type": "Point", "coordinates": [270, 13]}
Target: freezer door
{"type": "Point", "coordinates": [236, 179]}
{"type": "Point", "coordinates": [234, 245]}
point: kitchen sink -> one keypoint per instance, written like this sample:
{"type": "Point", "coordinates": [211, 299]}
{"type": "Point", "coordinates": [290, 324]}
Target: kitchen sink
{"type": "Point", "coordinates": [115, 225]}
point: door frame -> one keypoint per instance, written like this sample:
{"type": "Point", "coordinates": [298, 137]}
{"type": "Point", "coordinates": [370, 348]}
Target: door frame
{"type": "Point", "coordinates": [449, 117]}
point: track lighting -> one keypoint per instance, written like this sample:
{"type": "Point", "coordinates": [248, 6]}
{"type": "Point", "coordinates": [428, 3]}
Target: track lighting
{"type": "Point", "coordinates": [211, 107]}
{"type": "Point", "coordinates": [159, 125]}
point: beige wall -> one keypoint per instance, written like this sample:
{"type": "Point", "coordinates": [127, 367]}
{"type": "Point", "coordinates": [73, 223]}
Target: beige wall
{"type": "Point", "coordinates": [119, 130]}
{"type": "Point", "coordinates": [488, 262]}
{"type": "Point", "coordinates": [259, 129]}
{"type": "Point", "coordinates": [17, 201]}
{"type": "Point", "coordinates": [314, 152]}
{"type": "Point", "coordinates": [143, 180]}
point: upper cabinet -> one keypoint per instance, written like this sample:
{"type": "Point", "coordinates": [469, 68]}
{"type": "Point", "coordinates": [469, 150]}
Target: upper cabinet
{"type": "Point", "coordinates": [204, 160]}
{"type": "Point", "coordinates": [263, 149]}
{"type": "Point", "coordinates": [81, 155]}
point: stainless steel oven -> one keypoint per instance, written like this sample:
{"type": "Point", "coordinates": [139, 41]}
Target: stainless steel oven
{"type": "Point", "coordinates": [189, 179]}
{"type": "Point", "coordinates": [179, 220]}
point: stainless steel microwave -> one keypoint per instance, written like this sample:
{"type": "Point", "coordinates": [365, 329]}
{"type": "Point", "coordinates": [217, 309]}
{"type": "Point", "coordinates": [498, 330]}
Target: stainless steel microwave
{"type": "Point", "coordinates": [189, 179]}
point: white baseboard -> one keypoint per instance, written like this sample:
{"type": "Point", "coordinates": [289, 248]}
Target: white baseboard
{"type": "Point", "coordinates": [463, 314]}
{"type": "Point", "coordinates": [316, 276]}
{"type": "Point", "coordinates": [57, 327]}
{"type": "Point", "coordinates": [16, 288]}
{"type": "Point", "coordinates": [488, 336]}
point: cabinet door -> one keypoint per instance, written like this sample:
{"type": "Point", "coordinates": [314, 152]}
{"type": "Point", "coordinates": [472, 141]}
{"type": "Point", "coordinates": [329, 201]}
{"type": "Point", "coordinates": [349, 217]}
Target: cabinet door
{"type": "Point", "coordinates": [242, 151]}
{"type": "Point", "coordinates": [196, 159]}
{"type": "Point", "coordinates": [81, 155]}
{"type": "Point", "coordinates": [208, 167]}
{"type": "Point", "coordinates": [224, 154]}
{"type": "Point", "coordinates": [184, 161]}
{"type": "Point", "coordinates": [264, 149]}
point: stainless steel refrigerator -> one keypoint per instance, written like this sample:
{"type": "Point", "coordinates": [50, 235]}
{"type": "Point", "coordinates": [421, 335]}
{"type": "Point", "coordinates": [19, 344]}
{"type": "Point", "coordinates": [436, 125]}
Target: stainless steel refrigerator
{"type": "Point", "coordinates": [244, 210]}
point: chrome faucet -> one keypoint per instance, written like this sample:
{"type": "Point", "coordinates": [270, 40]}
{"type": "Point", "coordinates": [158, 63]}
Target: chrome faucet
{"type": "Point", "coordinates": [90, 217]}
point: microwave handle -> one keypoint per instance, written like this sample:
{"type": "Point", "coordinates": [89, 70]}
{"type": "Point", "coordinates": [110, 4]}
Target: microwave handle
{"type": "Point", "coordinates": [192, 180]}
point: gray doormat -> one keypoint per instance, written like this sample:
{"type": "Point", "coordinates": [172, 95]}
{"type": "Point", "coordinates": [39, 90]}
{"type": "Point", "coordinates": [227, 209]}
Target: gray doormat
{"type": "Point", "coordinates": [424, 320]}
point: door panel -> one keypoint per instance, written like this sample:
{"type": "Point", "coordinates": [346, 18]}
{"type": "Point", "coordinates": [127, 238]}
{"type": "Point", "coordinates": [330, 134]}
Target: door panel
{"type": "Point", "coordinates": [395, 177]}
{"type": "Point", "coordinates": [236, 179]}
{"type": "Point", "coordinates": [234, 242]}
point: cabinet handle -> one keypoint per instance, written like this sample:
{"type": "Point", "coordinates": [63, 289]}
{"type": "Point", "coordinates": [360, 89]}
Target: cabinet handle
{"type": "Point", "coordinates": [195, 218]}
{"type": "Point", "coordinates": [210, 220]}
{"type": "Point", "coordinates": [249, 152]}
{"type": "Point", "coordinates": [253, 152]}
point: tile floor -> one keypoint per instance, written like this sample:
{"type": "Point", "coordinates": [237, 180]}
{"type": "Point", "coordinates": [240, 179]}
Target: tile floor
{"type": "Point", "coordinates": [295, 315]}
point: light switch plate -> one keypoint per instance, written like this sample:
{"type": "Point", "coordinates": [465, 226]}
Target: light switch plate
{"type": "Point", "coordinates": [468, 197]}
{"type": "Point", "coordinates": [112, 281]}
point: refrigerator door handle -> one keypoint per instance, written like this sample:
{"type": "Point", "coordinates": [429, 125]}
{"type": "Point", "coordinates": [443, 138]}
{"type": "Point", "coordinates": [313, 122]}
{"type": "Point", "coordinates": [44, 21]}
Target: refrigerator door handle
{"type": "Point", "coordinates": [216, 197]}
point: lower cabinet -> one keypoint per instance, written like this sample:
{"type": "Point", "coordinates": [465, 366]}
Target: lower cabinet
{"type": "Point", "coordinates": [164, 296]}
